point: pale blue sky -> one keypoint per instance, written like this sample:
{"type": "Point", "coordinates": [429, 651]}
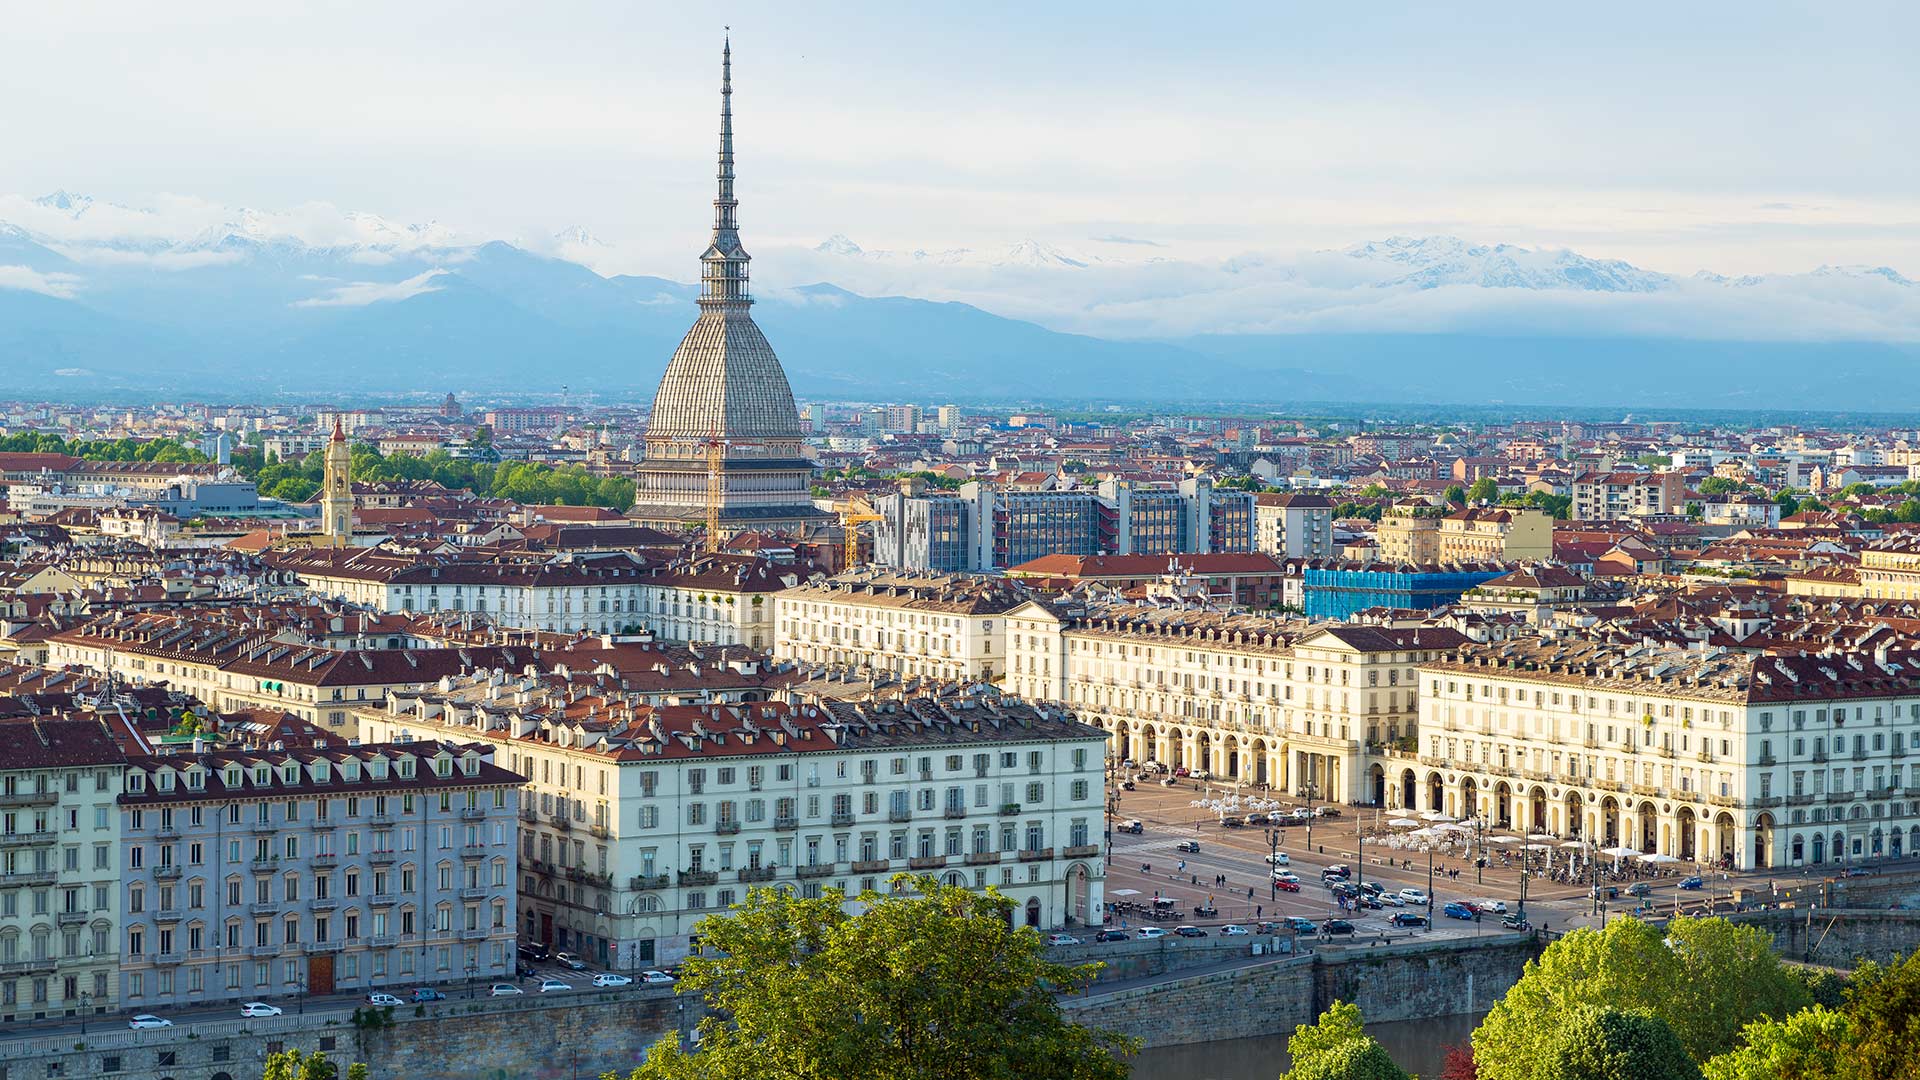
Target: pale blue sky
{"type": "Point", "coordinates": [1747, 137]}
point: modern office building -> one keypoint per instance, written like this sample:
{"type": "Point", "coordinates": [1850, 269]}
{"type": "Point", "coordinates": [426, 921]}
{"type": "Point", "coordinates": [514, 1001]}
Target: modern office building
{"type": "Point", "coordinates": [983, 528]}
{"type": "Point", "coordinates": [1338, 592]}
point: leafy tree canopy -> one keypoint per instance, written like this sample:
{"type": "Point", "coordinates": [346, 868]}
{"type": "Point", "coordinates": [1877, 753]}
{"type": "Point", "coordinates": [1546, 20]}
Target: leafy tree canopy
{"type": "Point", "coordinates": [929, 982]}
{"type": "Point", "coordinates": [1706, 978]}
{"type": "Point", "coordinates": [1336, 1047]}
{"type": "Point", "coordinates": [1595, 1043]}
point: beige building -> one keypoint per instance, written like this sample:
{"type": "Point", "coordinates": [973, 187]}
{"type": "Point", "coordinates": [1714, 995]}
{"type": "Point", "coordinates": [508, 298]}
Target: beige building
{"type": "Point", "coordinates": [638, 822]}
{"type": "Point", "coordinates": [910, 623]}
{"type": "Point", "coordinates": [1409, 535]}
{"type": "Point", "coordinates": [1495, 534]}
{"type": "Point", "coordinates": [1760, 761]}
{"type": "Point", "coordinates": [1890, 568]}
{"type": "Point", "coordinates": [1294, 705]}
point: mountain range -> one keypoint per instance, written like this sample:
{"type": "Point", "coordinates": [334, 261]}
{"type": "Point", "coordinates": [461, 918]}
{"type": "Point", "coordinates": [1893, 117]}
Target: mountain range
{"type": "Point", "coordinates": [105, 301]}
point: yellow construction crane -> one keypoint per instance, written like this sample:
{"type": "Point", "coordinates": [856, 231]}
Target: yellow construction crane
{"type": "Point", "coordinates": [856, 513]}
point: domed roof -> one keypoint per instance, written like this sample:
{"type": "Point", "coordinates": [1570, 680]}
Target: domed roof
{"type": "Point", "coordinates": [724, 380]}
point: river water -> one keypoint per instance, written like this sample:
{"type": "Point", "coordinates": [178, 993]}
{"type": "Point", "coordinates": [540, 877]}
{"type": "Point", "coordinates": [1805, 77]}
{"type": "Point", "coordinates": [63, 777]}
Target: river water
{"type": "Point", "coordinates": [1419, 1046]}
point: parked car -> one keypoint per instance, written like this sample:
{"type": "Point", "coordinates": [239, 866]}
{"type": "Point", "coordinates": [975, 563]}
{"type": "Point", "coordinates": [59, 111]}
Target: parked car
{"type": "Point", "coordinates": [1336, 926]}
{"type": "Point", "coordinates": [1458, 910]}
{"type": "Point", "coordinates": [1640, 888]}
{"type": "Point", "coordinates": [1415, 896]}
{"type": "Point", "coordinates": [1371, 888]}
{"type": "Point", "coordinates": [1201, 774]}
{"type": "Point", "coordinates": [1230, 930]}
{"type": "Point", "coordinates": [551, 986]}
{"type": "Point", "coordinates": [1233, 822]}
{"type": "Point", "coordinates": [1300, 813]}
{"type": "Point", "coordinates": [1326, 811]}
{"type": "Point", "coordinates": [656, 978]}
{"type": "Point", "coordinates": [503, 990]}
{"type": "Point", "coordinates": [253, 1009]}
{"type": "Point", "coordinates": [1286, 884]}
{"type": "Point", "coordinates": [1276, 817]}
{"type": "Point", "coordinates": [1362, 900]}
{"type": "Point", "coordinates": [534, 950]}
{"type": "Point", "coordinates": [569, 961]}
{"type": "Point", "coordinates": [1132, 825]}
{"type": "Point", "coordinates": [1181, 771]}
{"type": "Point", "coordinates": [1191, 847]}
{"type": "Point", "coordinates": [1408, 918]}
{"type": "Point", "coordinates": [1491, 907]}
{"type": "Point", "coordinates": [1339, 870]}
{"type": "Point", "coordinates": [1515, 922]}
{"type": "Point", "coordinates": [1280, 858]}
{"type": "Point", "coordinates": [1390, 899]}
{"type": "Point", "coordinates": [1113, 935]}
{"type": "Point", "coordinates": [1149, 933]}
{"type": "Point", "coordinates": [1129, 764]}
{"type": "Point", "coordinates": [1189, 931]}
{"type": "Point", "coordinates": [422, 994]}
{"type": "Point", "coordinates": [608, 978]}
{"type": "Point", "coordinates": [1301, 926]}
{"type": "Point", "coordinates": [1693, 882]}
{"type": "Point", "coordinates": [1062, 939]}
{"type": "Point", "coordinates": [1254, 821]}
{"type": "Point", "coordinates": [384, 1000]}
{"type": "Point", "coordinates": [1285, 875]}
{"type": "Point", "coordinates": [148, 1020]}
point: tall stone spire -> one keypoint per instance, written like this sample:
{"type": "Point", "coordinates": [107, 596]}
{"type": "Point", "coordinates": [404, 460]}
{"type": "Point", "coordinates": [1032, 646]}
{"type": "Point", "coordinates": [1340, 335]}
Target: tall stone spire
{"type": "Point", "coordinates": [336, 490]}
{"type": "Point", "coordinates": [723, 267]}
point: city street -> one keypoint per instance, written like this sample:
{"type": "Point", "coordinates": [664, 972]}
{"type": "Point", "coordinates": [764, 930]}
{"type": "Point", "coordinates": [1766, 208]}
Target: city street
{"type": "Point", "coordinates": [1149, 865]}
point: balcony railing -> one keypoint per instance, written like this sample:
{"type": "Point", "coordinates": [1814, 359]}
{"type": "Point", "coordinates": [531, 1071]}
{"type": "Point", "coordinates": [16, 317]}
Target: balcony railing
{"type": "Point", "coordinates": [983, 858]}
{"type": "Point", "coordinates": [1009, 809]}
{"type": "Point", "coordinates": [473, 813]}
{"type": "Point", "coordinates": [641, 882]}
{"type": "Point", "coordinates": [726, 828]}
{"type": "Point", "coordinates": [751, 874]}
{"type": "Point", "coordinates": [870, 866]}
{"type": "Point", "coordinates": [1036, 854]}
{"type": "Point", "coordinates": [956, 812]}
{"type": "Point", "coordinates": [898, 814]}
{"type": "Point", "coordinates": [841, 818]}
{"type": "Point", "coordinates": [28, 839]}
{"type": "Point", "coordinates": [699, 877]}
{"type": "Point", "coordinates": [169, 915]}
{"type": "Point", "coordinates": [927, 862]}
{"type": "Point", "coordinates": [29, 798]}
{"type": "Point", "coordinates": [818, 870]}
{"type": "Point", "coordinates": [381, 899]}
{"type": "Point", "coordinates": [1080, 851]}
{"type": "Point", "coordinates": [786, 823]}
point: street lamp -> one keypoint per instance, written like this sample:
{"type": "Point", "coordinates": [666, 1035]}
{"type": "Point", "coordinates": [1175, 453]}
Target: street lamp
{"type": "Point", "coordinates": [1273, 864]}
{"type": "Point", "coordinates": [1113, 804]}
{"type": "Point", "coordinates": [86, 1004]}
{"type": "Point", "coordinates": [470, 970]}
{"type": "Point", "coordinates": [1309, 789]}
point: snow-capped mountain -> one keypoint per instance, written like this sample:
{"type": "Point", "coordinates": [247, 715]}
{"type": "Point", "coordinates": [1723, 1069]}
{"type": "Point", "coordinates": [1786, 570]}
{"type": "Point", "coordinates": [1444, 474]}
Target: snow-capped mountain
{"type": "Point", "coordinates": [1429, 262]}
{"type": "Point", "coordinates": [244, 299]}
{"type": "Point", "coordinates": [1027, 253]}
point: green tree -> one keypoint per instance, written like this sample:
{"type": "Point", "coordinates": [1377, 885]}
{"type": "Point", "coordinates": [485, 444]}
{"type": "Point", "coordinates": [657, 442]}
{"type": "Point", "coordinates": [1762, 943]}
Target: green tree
{"type": "Point", "coordinates": [1598, 1043]}
{"type": "Point", "coordinates": [1789, 505]}
{"type": "Point", "coordinates": [1706, 978]}
{"type": "Point", "coordinates": [1721, 485]}
{"type": "Point", "coordinates": [1483, 490]}
{"type": "Point", "coordinates": [1883, 1024]}
{"type": "Point", "coordinates": [929, 981]}
{"type": "Point", "coordinates": [293, 1065]}
{"type": "Point", "coordinates": [1809, 1044]}
{"type": "Point", "coordinates": [1337, 1047]}
{"type": "Point", "coordinates": [1455, 494]}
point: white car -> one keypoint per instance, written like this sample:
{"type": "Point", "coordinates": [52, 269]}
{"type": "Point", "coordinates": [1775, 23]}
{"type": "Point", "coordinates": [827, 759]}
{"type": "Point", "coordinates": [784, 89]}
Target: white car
{"type": "Point", "coordinates": [1285, 875]}
{"type": "Point", "coordinates": [1388, 899]}
{"type": "Point", "coordinates": [1230, 930]}
{"type": "Point", "coordinates": [384, 1000]}
{"type": "Point", "coordinates": [259, 1008]}
{"type": "Point", "coordinates": [1148, 933]}
{"type": "Point", "coordinates": [656, 978]}
{"type": "Point", "coordinates": [148, 1020]}
{"type": "Point", "coordinates": [503, 990]}
{"type": "Point", "coordinates": [608, 978]}
{"type": "Point", "coordinates": [1280, 858]}
{"type": "Point", "coordinates": [1275, 817]}
{"type": "Point", "coordinates": [549, 986]}
{"type": "Point", "coordinates": [1062, 939]}
{"type": "Point", "coordinates": [1414, 896]}
{"type": "Point", "coordinates": [1491, 907]}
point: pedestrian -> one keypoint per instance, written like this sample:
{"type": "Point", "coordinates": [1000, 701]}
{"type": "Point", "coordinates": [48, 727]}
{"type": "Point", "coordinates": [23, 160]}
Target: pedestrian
{"type": "Point", "coordinates": [1257, 912]}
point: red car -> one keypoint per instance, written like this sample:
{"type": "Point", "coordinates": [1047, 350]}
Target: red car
{"type": "Point", "coordinates": [1287, 886]}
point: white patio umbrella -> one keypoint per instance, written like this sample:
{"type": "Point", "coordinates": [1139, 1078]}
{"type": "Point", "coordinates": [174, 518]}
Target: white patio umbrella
{"type": "Point", "coordinates": [1435, 815]}
{"type": "Point", "coordinates": [1401, 822]}
{"type": "Point", "coordinates": [1453, 828]}
{"type": "Point", "coordinates": [1539, 847]}
{"type": "Point", "coordinates": [1620, 852]}
{"type": "Point", "coordinates": [1508, 840]}
{"type": "Point", "coordinates": [1658, 858]}
{"type": "Point", "coordinates": [1573, 844]}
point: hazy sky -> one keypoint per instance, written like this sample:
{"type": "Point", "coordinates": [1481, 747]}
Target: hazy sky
{"type": "Point", "coordinates": [1745, 137]}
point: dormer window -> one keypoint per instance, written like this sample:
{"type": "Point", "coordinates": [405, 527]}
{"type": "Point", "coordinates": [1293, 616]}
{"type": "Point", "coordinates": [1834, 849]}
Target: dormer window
{"type": "Point", "coordinates": [196, 780]}
{"type": "Point", "coordinates": [136, 781]}
{"type": "Point", "coordinates": [262, 775]}
{"type": "Point", "coordinates": [290, 774]}
{"type": "Point", "coordinates": [406, 768]}
{"type": "Point", "coordinates": [321, 774]}
{"type": "Point", "coordinates": [350, 771]}
{"type": "Point", "coordinates": [164, 781]}
{"type": "Point", "coordinates": [232, 778]}
{"type": "Point", "coordinates": [470, 766]}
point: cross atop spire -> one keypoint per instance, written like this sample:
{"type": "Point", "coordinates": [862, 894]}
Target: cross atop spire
{"type": "Point", "coordinates": [723, 267]}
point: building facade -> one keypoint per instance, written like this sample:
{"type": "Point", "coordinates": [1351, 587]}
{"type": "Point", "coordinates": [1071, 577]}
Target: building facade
{"type": "Point", "coordinates": [982, 528]}
{"type": "Point", "coordinates": [256, 875]}
{"type": "Point", "coordinates": [1708, 756]}
{"type": "Point", "coordinates": [639, 822]}
{"type": "Point", "coordinates": [59, 868]}
{"type": "Point", "coordinates": [1285, 703]}
{"type": "Point", "coordinates": [1294, 526]}
{"type": "Point", "coordinates": [926, 625]}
